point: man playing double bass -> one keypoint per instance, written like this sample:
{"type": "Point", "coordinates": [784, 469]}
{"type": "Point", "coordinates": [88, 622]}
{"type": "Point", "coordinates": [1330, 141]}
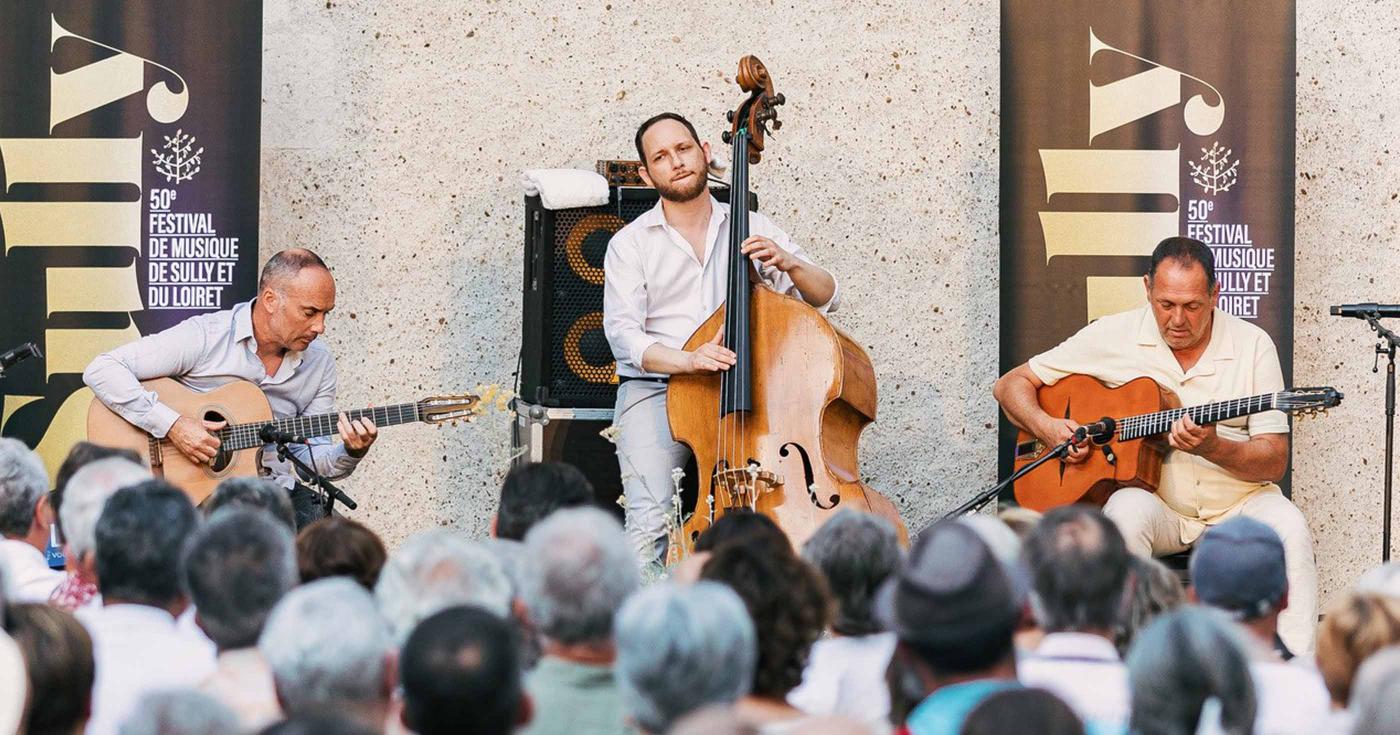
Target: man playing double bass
{"type": "Point", "coordinates": [1202, 354]}
{"type": "Point", "coordinates": [664, 274]}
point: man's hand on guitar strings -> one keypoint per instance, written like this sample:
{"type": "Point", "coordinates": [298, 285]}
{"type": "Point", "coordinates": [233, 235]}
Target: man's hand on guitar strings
{"type": "Point", "coordinates": [357, 435]}
{"type": "Point", "coordinates": [1187, 436]}
{"type": "Point", "coordinates": [194, 440]}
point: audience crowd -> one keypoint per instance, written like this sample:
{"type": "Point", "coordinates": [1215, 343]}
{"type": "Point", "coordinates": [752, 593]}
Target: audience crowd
{"type": "Point", "coordinates": [169, 619]}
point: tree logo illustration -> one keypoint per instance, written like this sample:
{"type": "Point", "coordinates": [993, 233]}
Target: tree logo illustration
{"type": "Point", "coordinates": [1215, 172]}
{"type": "Point", "coordinates": [179, 162]}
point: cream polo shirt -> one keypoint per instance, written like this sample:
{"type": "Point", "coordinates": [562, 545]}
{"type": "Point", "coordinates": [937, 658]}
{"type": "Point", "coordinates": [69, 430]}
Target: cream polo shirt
{"type": "Point", "coordinates": [1239, 361]}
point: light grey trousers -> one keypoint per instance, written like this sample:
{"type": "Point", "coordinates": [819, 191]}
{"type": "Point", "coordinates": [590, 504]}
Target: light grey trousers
{"type": "Point", "coordinates": [647, 455]}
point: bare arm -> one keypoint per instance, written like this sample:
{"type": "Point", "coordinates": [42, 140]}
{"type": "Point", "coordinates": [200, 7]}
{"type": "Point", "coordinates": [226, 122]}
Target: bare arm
{"type": "Point", "coordinates": [814, 282]}
{"type": "Point", "coordinates": [707, 358]}
{"type": "Point", "coordinates": [1016, 392]}
{"type": "Point", "coordinates": [1262, 458]}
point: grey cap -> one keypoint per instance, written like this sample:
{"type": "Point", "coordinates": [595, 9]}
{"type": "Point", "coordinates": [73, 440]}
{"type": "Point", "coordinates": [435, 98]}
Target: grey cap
{"type": "Point", "coordinates": [950, 585]}
{"type": "Point", "coordinates": [1238, 566]}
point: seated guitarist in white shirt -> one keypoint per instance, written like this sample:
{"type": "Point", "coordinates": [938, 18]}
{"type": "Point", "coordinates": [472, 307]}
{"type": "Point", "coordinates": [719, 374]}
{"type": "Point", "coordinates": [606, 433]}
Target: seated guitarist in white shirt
{"type": "Point", "coordinates": [664, 274]}
{"type": "Point", "coordinates": [1187, 345]}
{"type": "Point", "coordinates": [269, 341]}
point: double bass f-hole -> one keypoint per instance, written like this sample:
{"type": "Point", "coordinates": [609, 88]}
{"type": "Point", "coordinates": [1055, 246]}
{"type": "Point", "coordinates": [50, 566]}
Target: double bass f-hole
{"type": "Point", "coordinates": [809, 479]}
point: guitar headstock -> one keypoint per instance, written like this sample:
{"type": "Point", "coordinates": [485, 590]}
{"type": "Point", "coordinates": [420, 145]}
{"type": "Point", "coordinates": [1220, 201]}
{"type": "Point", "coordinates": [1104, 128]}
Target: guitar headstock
{"type": "Point", "coordinates": [1308, 402]}
{"type": "Point", "coordinates": [451, 407]}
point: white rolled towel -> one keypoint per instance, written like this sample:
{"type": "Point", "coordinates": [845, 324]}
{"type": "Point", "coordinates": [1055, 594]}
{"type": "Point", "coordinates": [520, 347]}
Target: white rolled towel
{"type": "Point", "coordinates": [565, 188]}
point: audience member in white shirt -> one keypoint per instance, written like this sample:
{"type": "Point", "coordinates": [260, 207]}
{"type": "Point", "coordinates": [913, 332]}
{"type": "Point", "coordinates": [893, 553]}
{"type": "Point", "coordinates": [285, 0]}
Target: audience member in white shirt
{"type": "Point", "coordinates": [24, 523]}
{"type": "Point", "coordinates": [1079, 566]}
{"type": "Point", "coordinates": [84, 496]}
{"type": "Point", "coordinates": [1238, 567]}
{"type": "Point", "coordinates": [136, 644]}
{"type": "Point", "coordinates": [845, 675]}
{"type": "Point", "coordinates": [237, 568]}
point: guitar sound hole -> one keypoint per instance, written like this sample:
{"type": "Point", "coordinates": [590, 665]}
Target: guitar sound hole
{"type": "Point", "coordinates": [224, 458]}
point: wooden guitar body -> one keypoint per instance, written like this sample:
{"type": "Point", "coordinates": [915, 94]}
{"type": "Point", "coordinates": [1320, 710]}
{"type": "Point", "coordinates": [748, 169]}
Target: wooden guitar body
{"type": "Point", "coordinates": [1135, 463]}
{"type": "Point", "coordinates": [237, 402]}
{"type": "Point", "coordinates": [813, 393]}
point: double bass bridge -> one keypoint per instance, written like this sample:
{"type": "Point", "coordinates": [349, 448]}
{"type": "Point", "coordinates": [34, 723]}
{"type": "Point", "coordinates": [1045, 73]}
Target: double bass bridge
{"type": "Point", "coordinates": [743, 486]}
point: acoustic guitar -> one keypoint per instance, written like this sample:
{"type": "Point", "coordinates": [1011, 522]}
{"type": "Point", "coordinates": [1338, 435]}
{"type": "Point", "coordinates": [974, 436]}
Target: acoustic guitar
{"type": "Point", "coordinates": [1129, 448]}
{"type": "Point", "coordinates": [244, 407]}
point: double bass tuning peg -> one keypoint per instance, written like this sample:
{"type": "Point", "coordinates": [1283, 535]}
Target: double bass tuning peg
{"type": "Point", "coordinates": [729, 116]}
{"type": "Point", "coordinates": [779, 99]}
{"type": "Point", "coordinates": [726, 136]}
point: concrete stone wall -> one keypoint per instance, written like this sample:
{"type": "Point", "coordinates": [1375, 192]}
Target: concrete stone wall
{"type": "Point", "coordinates": [394, 134]}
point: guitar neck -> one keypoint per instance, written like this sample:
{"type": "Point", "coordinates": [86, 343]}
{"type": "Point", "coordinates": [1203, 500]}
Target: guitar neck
{"type": "Point", "coordinates": [1160, 422]}
{"type": "Point", "coordinates": [245, 436]}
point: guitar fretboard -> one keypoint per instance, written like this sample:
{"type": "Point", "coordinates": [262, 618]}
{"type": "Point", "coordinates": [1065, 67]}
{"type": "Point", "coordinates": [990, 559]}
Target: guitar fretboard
{"type": "Point", "coordinates": [245, 436]}
{"type": "Point", "coordinates": [1160, 422]}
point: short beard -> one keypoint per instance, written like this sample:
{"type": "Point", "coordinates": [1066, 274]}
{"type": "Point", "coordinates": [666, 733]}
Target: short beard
{"type": "Point", "coordinates": [682, 193]}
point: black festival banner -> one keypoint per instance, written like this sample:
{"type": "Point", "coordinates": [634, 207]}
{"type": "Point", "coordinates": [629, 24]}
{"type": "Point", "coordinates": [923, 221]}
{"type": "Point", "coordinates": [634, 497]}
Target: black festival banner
{"type": "Point", "coordinates": [1124, 122]}
{"type": "Point", "coordinates": [129, 149]}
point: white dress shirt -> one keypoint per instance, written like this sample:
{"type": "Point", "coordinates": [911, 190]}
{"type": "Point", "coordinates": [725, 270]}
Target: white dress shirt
{"type": "Point", "coordinates": [1292, 699]}
{"type": "Point", "coordinates": [137, 649]}
{"type": "Point", "coordinates": [211, 350]}
{"type": "Point", "coordinates": [846, 676]}
{"type": "Point", "coordinates": [27, 572]}
{"type": "Point", "coordinates": [1086, 672]}
{"type": "Point", "coordinates": [656, 291]}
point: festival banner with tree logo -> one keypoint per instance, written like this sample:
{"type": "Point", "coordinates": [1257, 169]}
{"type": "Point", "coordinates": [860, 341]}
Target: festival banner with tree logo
{"type": "Point", "coordinates": [1124, 122]}
{"type": "Point", "coordinates": [129, 148]}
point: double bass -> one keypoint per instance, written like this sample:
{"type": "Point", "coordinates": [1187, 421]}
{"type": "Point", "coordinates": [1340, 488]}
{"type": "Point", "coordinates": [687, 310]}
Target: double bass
{"type": "Point", "coordinates": [777, 432]}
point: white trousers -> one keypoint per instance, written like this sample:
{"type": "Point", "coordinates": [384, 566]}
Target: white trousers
{"type": "Point", "coordinates": [646, 455]}
{"type": "Point", "coordinates": [1150, 527]}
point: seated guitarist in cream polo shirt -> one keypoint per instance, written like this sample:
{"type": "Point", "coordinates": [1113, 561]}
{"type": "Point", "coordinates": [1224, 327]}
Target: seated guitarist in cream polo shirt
{"type": "Point", "coordinates": [1215, 472]}
{"type": "Point", "coordinates": [270, 341]}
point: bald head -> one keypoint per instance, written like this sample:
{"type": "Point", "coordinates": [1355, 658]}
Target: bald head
{"type": "Point", "coordinates": [295, 293]}
{"type": "Point", "coordinates": [284, 267]}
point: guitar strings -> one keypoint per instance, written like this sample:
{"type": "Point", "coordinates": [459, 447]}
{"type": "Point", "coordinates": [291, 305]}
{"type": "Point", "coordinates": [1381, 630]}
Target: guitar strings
{"type": "Point", "coordinates": [1159, 422]}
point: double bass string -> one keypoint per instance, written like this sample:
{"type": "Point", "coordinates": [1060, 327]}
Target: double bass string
{"type": "Point", "coordinates": [739, 212]}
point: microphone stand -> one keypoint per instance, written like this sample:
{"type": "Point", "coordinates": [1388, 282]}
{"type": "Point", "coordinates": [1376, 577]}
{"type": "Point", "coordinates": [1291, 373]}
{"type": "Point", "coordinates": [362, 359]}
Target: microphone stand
{"type": "Point", "coordinates": [1386, 347]}
{"type": "Point", "coordinates": [18, 355]}
{"type": "Point", "coordinates": [331, 492]}
{"type": "Point", "coordinates": [977, 503]}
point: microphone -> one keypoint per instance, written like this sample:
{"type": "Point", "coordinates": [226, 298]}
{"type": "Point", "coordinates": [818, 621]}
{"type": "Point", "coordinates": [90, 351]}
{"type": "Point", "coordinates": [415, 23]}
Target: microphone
{"type": "Point", "coordinates": [1101, 431]}
{"type": "Point", "coordinates": [270, 434]}
{"type": "Point", "coordinates": [18, 355]}
{"type": "Point", "coordinates": [1359, 311]}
